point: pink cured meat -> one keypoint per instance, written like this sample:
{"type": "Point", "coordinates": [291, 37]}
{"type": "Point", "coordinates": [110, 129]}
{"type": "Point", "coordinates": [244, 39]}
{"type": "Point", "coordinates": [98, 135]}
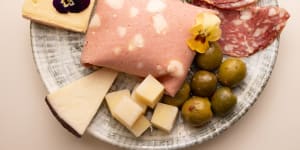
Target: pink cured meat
{"type": "Point", "coordinates": [228, 4]}
{"type": "Point", "coordinates": [247, 31]}
{"type": "Point", "coordinates": [142, 37]}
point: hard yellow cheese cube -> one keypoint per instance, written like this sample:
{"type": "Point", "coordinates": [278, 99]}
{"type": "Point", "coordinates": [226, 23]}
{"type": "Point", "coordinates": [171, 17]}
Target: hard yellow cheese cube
{"type": "Point", "coordinates": [140, 126]}
{"type": "Point", "coordinates": [150, 91]}
{"type": "Point", "coordinates": [164, 116]}
{"type": "Point", "coordinates": [142, 123]}
{"type": "Point", "coordinates": [127, 111]}
{"type": "Point", "coordinates": [135, 98]}
{"type": "Point", "coordinates": [113, 98]}
{"type": "Point", "coordinates": [44, 12]}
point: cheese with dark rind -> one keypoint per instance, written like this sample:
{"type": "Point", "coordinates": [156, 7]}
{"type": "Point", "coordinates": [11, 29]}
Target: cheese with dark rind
{"type": "Point", "coordinates": [75, 104]}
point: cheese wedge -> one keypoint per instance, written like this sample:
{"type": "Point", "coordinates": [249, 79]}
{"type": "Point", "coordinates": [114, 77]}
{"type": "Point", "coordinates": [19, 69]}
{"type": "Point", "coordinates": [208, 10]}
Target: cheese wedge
{"type": "Point", "coordinates": [43, 11]}
{"type": "Point", "coordinates": [75, 104]}
{"type": "Point", "coordinates": [150, 91]}
{"type": "Point", "coordinates": [127, 111]}
{"type": "Point", "coordinates": [164, 116]}
{"type": "Point", "coordinates": [142, 123]}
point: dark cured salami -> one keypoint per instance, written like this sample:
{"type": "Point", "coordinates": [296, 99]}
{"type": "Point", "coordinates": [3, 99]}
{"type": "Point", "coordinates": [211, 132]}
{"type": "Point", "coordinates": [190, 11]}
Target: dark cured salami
{"type": "Point", "coordinates": [220, 1]}
{"type": "Point", "coordinates": [250, 30]}
{"type": "Point", "coordinates": [228, 4]}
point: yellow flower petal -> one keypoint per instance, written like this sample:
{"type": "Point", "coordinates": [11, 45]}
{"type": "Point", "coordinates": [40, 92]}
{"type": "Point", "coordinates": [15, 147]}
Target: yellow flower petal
{"type": "Point", "coordinates": [195, 30]}
{"type": "Point", "coordinates": [206, 29]}
{"type": "Point", "coordinates": [215, 34]}
{"type": "Point", "coordinates": [208, 19]}
{"type": "Point", "coordinates": [197, 45]}
{"type": "Point", "coordinates": [202, 48]}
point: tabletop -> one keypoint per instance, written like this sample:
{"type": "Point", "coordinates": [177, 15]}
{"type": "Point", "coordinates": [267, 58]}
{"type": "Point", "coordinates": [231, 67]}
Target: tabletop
{"type": "Point", "coordinates": [26, 123]}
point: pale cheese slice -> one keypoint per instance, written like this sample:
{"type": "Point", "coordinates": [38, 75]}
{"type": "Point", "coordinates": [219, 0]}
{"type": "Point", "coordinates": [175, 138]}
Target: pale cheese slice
{"type": "Point", "coordinates": [75, 104]}
{"type": "Point", "coordinates": [43, 11]}
{"type": "Point", "coordinates": [164, 116]}
{"type": "Point", "coordinates": [150, 91]}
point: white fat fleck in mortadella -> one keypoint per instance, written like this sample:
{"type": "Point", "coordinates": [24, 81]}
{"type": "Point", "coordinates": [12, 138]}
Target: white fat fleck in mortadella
{"type": "Point", "coordinates": [160, 24]}
{"type": "Point", "coordinates": [133, 12]}
{"type": "Point", "coordinates": [115, 4]}
{"type": "Point", "coordinates": [136, 42]}
{"type": "Point", "coordinates": [95, 22]}
{"type": "Point", "coordinates": [155, 6]}
{"type": "Point", "coordinates": [121, 31]}
{"type": "Point", "coordinates": [175, 68]}
{"type": "Point", "coordinates": [117, 50]}
{"type": "Point", "coordinates": [160, 70]}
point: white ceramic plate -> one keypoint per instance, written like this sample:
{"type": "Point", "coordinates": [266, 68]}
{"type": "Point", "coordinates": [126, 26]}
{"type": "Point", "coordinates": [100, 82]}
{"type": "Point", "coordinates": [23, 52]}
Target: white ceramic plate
{"type": "Point", "coordinates": [57, 56]}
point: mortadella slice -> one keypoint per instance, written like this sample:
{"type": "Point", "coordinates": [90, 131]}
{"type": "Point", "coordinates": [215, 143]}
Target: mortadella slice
{"type": "Point", "coordinates": [142, 37]}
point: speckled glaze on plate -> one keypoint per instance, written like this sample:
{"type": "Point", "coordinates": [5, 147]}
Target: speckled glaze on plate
{"type": "Point", "coordinates": [57, 56]}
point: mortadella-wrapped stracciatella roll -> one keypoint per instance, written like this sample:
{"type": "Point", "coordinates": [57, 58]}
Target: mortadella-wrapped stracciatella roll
{"type": "Point", "coordinates": [142, 37]}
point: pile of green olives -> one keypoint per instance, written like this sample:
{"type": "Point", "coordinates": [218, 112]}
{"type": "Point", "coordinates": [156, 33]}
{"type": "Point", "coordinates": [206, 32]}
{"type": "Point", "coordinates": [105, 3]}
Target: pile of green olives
{"type": "Point", "coordinates": [209, 92]}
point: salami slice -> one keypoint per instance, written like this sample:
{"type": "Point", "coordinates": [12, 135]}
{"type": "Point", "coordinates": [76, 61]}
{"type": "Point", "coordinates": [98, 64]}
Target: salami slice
{"type": "Point", "coordinates": [220, 1]}
{"type": "Point", "coordinates": [247, 31]}
{"type": "Point", "coordinates": [228, 4]}
{"type": "Point", "coordinates": [253, 29]}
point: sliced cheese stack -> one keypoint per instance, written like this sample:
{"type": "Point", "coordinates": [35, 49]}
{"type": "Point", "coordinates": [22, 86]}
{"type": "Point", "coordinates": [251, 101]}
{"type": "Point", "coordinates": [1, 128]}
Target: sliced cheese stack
{"type": "Point", "coordinates": [75, 105]}
{"type": "Point", "coordinates": [120, 102]}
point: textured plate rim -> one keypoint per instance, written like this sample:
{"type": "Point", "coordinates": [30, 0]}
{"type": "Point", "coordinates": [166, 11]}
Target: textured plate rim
{"type": "Point", "coordinates": [176, 145]}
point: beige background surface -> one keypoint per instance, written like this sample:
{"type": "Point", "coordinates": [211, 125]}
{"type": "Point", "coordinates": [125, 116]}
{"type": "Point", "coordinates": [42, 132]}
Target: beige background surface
{"type": "Point", "coordinates": [26, 123]}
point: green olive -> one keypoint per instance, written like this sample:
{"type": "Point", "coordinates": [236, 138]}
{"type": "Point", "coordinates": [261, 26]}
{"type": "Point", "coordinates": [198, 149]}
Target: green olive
{"type": "Point", "coordinates": [181, 96]}
{"type": "Point", "coordinates": [204, 83]}
{"type": "Point", "coordinates": [211, 59]}
{"type": "Point", "coordinates": [231, 72]}
{"type": "Point", "coordinates": [223, 101]}
{"type": "Point", "coordinates": [197, 111]}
